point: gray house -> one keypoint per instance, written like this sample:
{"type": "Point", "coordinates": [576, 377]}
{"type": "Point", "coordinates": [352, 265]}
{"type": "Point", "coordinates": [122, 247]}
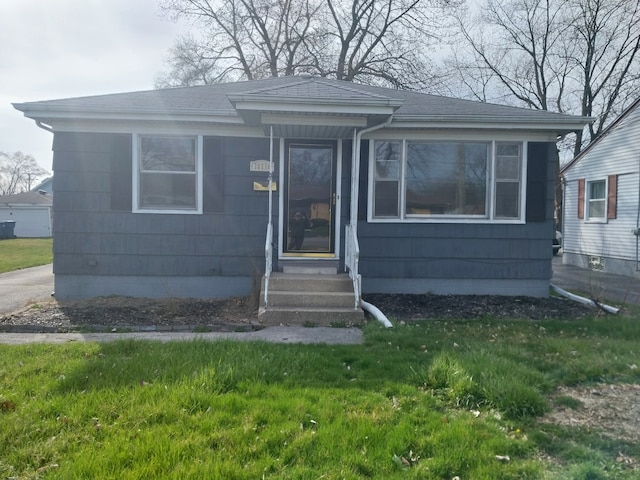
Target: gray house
{"type": "Point", "coordinates": [203, 191]}
{"type": "Point", "coordinates": [601, 217]}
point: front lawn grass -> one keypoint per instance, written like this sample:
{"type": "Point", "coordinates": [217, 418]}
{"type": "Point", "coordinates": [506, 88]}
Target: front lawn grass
{"type": "Point", "coordinates": [432, 400]}
{"type": "Point", "coordinates": [17, 253]}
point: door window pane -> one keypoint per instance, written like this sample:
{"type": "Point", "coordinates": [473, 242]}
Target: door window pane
{"type": "Point", "coordinates": [310, 199]}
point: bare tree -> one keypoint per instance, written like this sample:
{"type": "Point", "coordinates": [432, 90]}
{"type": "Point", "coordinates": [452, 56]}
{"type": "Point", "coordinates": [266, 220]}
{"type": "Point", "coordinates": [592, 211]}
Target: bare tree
{"type": "Point", "coordinates": [606, 58]}
{"type": "Point", "coordinates": [369, 41]}
{"type": "Point", "coordinates": [18, 173]}
{"type": "Point", "coordinates": [569, 56]}
{"type": "Point", "coordinates": [239, 39]}
{"type": "Point", "coordinates": [382, 41]}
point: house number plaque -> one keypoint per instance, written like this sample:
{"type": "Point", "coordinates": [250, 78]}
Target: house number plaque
{"type": "Point", "coordinates": [259, 166]}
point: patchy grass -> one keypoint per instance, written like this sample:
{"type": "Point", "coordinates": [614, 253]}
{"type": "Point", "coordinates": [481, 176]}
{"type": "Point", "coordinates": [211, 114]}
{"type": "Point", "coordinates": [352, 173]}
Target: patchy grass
{"type": "Point", "coordinates": [20, 253]}
{"type": "Point", "coordinates": [437, 399]}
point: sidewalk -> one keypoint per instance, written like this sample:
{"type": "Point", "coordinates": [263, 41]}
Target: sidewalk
{"type": "Point", "coordinates": [327, 335]}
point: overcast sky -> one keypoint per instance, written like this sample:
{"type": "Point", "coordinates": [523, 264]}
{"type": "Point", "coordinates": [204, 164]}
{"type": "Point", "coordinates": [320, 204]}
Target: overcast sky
{"type": "Point", "coordinates": [69, 48]}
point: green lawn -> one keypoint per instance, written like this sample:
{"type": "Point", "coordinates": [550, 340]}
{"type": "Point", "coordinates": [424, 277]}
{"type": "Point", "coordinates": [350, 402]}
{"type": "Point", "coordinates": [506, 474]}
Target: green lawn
{"type": "Point", "coordinates": [435, 400]}
{"type": "Point", "coordinates": [20, 253]}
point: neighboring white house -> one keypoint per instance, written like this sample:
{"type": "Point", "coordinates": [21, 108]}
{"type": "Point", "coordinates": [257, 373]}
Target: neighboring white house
{"type": "Point", "coordinates": [45, 186]}
{"type": "Point", "coordinates": [601, 205]}
{"type": "Point", "coordinates": [30, 210]}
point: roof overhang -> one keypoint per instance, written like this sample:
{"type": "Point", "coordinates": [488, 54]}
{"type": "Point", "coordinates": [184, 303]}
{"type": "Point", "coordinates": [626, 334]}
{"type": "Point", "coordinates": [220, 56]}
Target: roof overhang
{"type": "Point", "coordinates": [51, 113]}
{"type": "Point", "coordinates": [560, 125]}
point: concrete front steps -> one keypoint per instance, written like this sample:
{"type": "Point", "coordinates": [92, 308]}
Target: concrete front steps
{"type": "Point", "coordinates": [309, 299]}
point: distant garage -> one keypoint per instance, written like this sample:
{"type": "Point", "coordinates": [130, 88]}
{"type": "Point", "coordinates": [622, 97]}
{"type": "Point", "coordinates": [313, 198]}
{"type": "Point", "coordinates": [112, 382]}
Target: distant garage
{"type": "Point", "coordinates": [30, 210]}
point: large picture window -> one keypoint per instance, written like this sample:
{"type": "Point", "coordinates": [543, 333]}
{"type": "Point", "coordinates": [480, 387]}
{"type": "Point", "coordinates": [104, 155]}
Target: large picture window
{"type": "Point", "coordinates": [168, 174]}
{"type": "Point", "coordinates": [432, 180]}
{"type": "Point", "coordinates": [446, 178]}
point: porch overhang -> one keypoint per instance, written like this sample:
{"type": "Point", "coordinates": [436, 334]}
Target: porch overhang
{"type": "Point", "coordinates": [312, 109]}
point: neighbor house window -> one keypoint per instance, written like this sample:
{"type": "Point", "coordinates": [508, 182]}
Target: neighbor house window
{"type": "Point", "coordinates": [596, 200]}
{"type": "Point", "coordinates": [168, 174]}
{"type": "Point", "coordinates": [432, 180]}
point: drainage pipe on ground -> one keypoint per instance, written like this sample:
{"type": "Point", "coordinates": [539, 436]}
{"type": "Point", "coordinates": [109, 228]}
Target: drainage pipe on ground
{"type": "Point", "coordinates": [377, 314]}
{"type": "Point", "coordinates": [583, 300]}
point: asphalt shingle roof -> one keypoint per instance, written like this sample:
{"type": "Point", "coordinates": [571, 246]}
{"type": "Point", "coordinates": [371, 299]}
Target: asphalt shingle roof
{"type": "Point", "coordinates": [26, 198]}
{"type": "Point", "coordinates": [213, 100]}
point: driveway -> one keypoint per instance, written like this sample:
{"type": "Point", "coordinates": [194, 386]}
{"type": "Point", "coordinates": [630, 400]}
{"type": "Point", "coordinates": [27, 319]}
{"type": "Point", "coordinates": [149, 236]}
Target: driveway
{"type": "Point", "coordinates": [24, 287]}
{"type": "Point", "coordinates": [616, 290]}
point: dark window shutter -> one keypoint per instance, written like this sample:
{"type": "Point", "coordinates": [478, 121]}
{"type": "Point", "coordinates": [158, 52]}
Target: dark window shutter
{"type": "Point", "coordinates": [363, 189]}
{"type": "Point", "coordinates": [213, 175]}
{"type": "Point", "coordinates": [121, 173]}
{"type": "Point", "coordinates": [612, 196]}
{"type": "Point", "coordinates": [537, 162]}
{"type": "Point", "coordinates": [581, 198]}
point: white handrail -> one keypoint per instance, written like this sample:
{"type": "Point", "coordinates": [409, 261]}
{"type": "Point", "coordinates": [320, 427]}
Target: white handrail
{"type": "Point", "coordinates": [268, 255]}
{"type": "Point", "coordinates": [351, 260]}
{"type": "Point", "coordinates": [268, 245]}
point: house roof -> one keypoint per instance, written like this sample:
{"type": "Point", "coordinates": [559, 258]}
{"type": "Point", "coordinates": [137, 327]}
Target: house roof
{"type": "Point", "coordinates": [248, 101]}
{"type": "Point", "coordinates": [25, 198]}
{"type": "Point", "coordinates": [602, 135]}
{"type": "Point", "coordinates": [45, 185]}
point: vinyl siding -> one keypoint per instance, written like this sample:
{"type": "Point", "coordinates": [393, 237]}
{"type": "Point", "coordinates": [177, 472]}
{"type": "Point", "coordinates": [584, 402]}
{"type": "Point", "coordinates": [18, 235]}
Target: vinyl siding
{"type": "Point", "coordinates": [617, 153]}
{"type": "Point", "coordinates": [93, 237]}
{"type": "Point", "coordinates": [469, 251]}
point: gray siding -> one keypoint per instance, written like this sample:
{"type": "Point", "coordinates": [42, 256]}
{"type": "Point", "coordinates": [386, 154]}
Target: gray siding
{"type": "Point", "coordinates": [431, 252]}
{"type": "Point", "coordinates": [93, 237]}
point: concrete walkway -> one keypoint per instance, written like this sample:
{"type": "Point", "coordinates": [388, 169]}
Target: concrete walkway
{"type": "Point", "coordinates": [330, 336]}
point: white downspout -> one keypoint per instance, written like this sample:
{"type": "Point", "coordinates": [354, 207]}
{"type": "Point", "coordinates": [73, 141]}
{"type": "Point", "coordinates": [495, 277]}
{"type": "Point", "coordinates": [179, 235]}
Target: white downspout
{"type": "Point", "coordinates": [637, 230]}
{"type": "Point", "coordinates": [585, 301]}
{"type": "Point", "coordinates": [355, 182]}
{"type": "Point", "coordinates": [355, 168]}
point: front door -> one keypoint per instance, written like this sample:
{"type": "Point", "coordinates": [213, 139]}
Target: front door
{"type": "Point", "coordinates": [310, 173]}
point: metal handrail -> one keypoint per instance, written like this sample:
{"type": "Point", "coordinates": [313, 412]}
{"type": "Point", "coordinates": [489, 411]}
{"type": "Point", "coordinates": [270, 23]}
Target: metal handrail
{"type": "Point", "coordinates": [268, 255]}
{"type": "Point", "coordinates": [351, 260]}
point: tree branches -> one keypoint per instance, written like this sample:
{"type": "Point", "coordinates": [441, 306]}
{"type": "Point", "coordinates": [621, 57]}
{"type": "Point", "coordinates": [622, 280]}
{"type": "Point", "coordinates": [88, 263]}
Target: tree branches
{"type": "Point", "coordinates": [570, 56]}
{"type": "Point", "coordinates": [369, 41]}
{"type": "Point", "coordinates": [18, 173]}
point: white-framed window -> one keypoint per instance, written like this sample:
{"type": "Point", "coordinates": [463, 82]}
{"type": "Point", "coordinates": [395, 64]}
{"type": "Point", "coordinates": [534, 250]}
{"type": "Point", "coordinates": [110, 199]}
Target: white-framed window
{"type": "Point", "coordinates": [508, 183]}
{"type": "Point", "coordinates": [447, 181]}
{"type": "Point", "coordinates": [167, 174]}
{"type": "Point", "coordinates": [596, 200]}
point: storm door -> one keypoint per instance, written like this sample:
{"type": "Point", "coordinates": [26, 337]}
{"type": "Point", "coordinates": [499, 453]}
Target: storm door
{"type": "Point", "coordinates": [310, 198]}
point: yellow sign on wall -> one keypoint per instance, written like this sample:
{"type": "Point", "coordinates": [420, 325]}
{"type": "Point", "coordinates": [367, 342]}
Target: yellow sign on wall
{"type": "Point", "coordinates": [264, 186]}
